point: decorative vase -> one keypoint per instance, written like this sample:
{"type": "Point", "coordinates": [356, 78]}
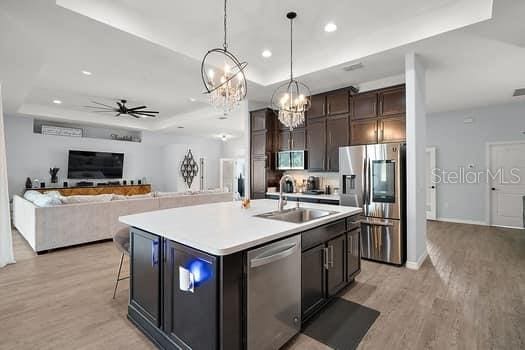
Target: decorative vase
{"type": "Point", "coordinates": [29, 183]}
{"type": "Point", "coordinates": [53, 172]}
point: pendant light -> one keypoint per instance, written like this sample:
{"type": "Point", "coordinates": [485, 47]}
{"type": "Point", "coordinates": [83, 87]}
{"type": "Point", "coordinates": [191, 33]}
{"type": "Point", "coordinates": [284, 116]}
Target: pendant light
{"type": "Point", "coordinates": [223, 75]}
{"type": "Point", "coordinates": [292, 99]}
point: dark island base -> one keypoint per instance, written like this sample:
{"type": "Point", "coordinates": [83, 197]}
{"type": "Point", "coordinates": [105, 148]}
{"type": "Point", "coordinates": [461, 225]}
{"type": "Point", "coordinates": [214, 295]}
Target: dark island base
{"type": "Point", "coordinates": [213, 316]}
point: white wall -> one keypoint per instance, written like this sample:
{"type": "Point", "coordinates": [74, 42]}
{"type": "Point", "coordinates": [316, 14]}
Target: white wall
{"type": "Point", "coordinates": [157, 157]}
{"type": "Point", "coordinates": [415, 75]}
{"type": "Point", "coordinates": [459, 144]}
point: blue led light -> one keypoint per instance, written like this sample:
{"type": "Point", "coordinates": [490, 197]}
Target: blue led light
{"type": "Point", "coordinates": [201, 270]}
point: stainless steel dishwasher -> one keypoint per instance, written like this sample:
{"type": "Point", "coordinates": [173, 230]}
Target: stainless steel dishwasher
{"type": "Point", "coordinates": [274, 294]}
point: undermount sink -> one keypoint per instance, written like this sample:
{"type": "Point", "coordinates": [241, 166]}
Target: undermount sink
{"type": "Point", "coordinates": [296, 215]}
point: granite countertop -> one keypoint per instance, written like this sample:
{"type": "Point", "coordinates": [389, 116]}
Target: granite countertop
{"type": "Point", "coordinates": [225, 228]}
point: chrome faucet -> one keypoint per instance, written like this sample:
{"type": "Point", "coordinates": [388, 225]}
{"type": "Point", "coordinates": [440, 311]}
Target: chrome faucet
{"type": "Point", "coordinates": [282, 201]}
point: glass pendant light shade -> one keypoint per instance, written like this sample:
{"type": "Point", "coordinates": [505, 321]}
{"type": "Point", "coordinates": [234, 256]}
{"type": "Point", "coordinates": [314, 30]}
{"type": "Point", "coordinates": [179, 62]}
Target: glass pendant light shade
{"type": "Point", "coordinates": [291, 99]}
{"type": "Point", "coordinates": [223, 76]}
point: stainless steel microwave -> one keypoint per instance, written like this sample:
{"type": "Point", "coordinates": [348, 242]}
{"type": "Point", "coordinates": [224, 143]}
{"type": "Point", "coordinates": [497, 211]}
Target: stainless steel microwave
{"type": "Point", "coordinates": [291, 160]}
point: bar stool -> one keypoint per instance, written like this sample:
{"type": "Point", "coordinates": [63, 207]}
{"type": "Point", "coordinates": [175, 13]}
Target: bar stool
{"type": "Point", "coordinates": [121, 240]}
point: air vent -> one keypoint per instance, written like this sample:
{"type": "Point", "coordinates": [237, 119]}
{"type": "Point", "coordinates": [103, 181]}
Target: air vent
{"type": "Point", "coordinates": [353, 67]}
{"type": "Point", "coordinates": [519, 92]}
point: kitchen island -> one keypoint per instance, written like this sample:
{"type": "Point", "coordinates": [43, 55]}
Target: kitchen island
{"type": "Point", "coordinates": [216, 276]}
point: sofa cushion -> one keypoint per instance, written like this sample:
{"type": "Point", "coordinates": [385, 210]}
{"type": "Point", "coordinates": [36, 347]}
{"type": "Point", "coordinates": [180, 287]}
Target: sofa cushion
{"type": "Point", "coordinates": [41, 200]}
{"type": "Point", "coordinates": [168, 194]}
{"type": "Point", "coordinates": [87, 198]}
{"type": "Point", "coordinates": [118, 197]}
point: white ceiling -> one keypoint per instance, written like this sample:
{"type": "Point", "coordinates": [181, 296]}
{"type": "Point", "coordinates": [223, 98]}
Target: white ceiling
{"type": "Point", "coordinates": [149, 52]}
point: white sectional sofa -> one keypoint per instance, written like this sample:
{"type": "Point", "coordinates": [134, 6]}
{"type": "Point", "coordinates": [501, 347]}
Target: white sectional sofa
{"type": "Point", "coordinates": [46, 228]}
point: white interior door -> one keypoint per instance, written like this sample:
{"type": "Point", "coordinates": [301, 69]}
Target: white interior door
{"type": "Point", "coordinates": [431, 186]}
{"type": "Point", "coordinates": [506, 181]}
{"type": "Point", "coordinates": [226, 174]}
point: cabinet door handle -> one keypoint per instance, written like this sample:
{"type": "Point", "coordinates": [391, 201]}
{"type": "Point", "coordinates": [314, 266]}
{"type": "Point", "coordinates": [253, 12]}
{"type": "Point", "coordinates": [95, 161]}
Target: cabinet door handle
{"type": "Point", "coordinates": [331, 255]}
{"type": "Point", "coordinates": [350, 249]}
{"type": "Point", "coordinates": [329, 105]}
{"type": "Point", "coordinates": [154, 253]}
{"type": "Point", "coordinates": [324, 109]}
{"type": "Point", "coordinates": [382, 130]}
{"type": "Point", "coordinates": [325, 258]}
{"type": "Point", "coordinates": [292, 141]}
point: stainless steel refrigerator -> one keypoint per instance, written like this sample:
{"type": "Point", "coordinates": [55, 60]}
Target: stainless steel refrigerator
{"type": "Point", "coordinates": [373, 177]}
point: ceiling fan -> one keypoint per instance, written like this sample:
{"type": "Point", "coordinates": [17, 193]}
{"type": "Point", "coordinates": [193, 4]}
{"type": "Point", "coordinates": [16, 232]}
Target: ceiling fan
{"type": "Point", "coordinates": [122, 109]}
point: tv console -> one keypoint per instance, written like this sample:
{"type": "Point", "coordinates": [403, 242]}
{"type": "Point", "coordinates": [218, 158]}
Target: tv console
{"type": "Point", "coordinates": [126, 190]}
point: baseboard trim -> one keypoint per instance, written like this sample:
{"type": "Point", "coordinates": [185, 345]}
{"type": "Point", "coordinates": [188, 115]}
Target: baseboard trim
{"type": "Point", "coordinates": [415, 265]}
{"type": "Point", "coordinates": [462, 221]}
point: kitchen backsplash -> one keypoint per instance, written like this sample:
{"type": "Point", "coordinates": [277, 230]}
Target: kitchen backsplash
{"type": "Point", "coordinates": [331, 179]}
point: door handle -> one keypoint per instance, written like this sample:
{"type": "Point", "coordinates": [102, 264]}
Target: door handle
{"type": "Point", "coordinates": [331, 256]}
{"type": "Point", "coordinates": [154, 253]}
{"type": "Point", "coordinates": [325, 258]}
{"type": "Point", "coordinates": [329, 105]}
{"type": "Point", "coordinates": [263, 260]}
{"type": "Point", "coordinates": [382, 130]}
{"type": "Point", "coordinates": [493, 188]}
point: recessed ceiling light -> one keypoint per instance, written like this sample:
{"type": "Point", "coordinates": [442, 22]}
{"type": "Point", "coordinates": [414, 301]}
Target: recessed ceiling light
{"type": "Point", "coordinates": [180, 127]}
{"type": "Point", "coordinates": [330, 27]}
{"type": "Point", "coordinates": [86, 72]}
{"type": "Point", "coordinates": [57, 102]}
{"type": "Point", "coordinates": [192, 99]}
{"type": "Point", "coordinates": [222, 117]}
{"type": "Point", "coordinates": [266, 53]}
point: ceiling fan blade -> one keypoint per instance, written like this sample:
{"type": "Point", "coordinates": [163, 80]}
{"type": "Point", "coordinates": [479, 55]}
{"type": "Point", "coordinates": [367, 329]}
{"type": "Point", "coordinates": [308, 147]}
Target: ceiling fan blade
{"type": "Point", "coordinates": [97, 107]}
{"type": "Point", "coordinates": [134, 115]}
{"type": "Point", "coordinates": [153, 112]}
{"type": "Point", "coordinates": [98, 103]}
{"type": "Point", "coordinates": [103, 111]}
{"type": "Point", "coordinates": [135, 108]}
{"type": "Point", "coordinates": [145, 114]}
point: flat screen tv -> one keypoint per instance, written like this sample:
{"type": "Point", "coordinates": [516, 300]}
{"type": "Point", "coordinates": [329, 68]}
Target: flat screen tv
{"type": "Point", "coordinates": [95, 165]}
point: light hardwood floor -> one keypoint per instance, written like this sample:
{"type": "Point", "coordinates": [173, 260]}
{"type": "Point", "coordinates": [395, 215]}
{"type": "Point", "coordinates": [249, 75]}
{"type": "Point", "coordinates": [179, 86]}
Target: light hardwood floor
{"type": "Point", "coordinates": [469, 294]}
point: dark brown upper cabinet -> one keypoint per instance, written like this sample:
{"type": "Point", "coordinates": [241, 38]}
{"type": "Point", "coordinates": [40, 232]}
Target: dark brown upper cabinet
{"type": "Point", "coordinates": [363, 132]}
{"type": "Point", "coordinates": [392, 129]}
{"type": "Point", "coordinates": [317, 108]}
{"type": "Point", "coordinates": [298, 139]}
{"type": "Point", "coordinates": [292, 140]}
{"type": "Point", "coordinates": [316, 144]}
{"type": "Point", "coordinates": [261, 143]}
{"type": "Point", "coordinates": [337, 103]}
{"type": "Point", "coordinates": [337, 129]}
{"type": "Point", "coordinates": [284, 140]}
{"type": "Point", "coordinates": [364, 105]}
{"type": "Point", "coordinates": [392, 101]}
{"type": "Point", "coordinates": [259, 120]}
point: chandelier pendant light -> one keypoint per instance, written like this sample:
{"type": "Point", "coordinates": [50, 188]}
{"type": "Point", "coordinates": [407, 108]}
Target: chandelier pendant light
{"type": "Point", "coordinates": [223, 75]}
{"type": "Point", "coordinates": [291, 99]}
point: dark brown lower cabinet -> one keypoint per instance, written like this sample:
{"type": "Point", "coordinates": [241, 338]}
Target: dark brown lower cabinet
{"type": "Point", "coordinates": [353, 259]}
{"type": "Point", "coordinates": [313, 278]}
{"type": "Point", "coordinates": [145, 275]}
{"type": "Point", "coordinates": [325, 264]}
{"type": "Point", "coordinates": [190, 317]}
{"type": "Point", "coordinates": [336, 272]}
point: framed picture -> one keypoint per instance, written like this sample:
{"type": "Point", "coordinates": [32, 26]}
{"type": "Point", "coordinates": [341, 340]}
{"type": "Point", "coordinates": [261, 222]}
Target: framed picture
{"type": "Point", "coordinates": [62, 131]}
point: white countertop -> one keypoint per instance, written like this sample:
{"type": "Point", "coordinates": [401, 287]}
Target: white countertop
{"type": "Point", "coordinates": [225, 228]}
{"type": "Point", "coordinates": [331, 197]}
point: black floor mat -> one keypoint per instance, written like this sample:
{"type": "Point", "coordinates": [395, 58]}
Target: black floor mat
{"type": "Point", "coordinates": [341, 325]}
